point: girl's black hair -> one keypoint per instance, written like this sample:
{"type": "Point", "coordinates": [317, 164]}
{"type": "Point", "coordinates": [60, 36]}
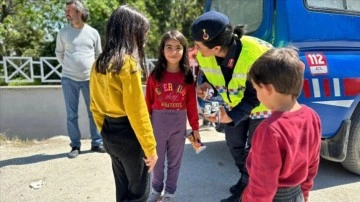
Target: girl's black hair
{"type": "Point", "coordinates": [161, 64]}
{"type": "Point", "coordinates": [226, 37]}
{"type": "Point", "coordinates": [126, 34]}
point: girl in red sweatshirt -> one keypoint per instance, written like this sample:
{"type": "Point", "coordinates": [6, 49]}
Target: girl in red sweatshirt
{"type": "Point", "coordinates": [171, 100]}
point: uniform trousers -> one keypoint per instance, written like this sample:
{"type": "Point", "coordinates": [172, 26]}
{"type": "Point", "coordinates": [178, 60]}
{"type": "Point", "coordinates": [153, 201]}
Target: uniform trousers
{"type": "Point", "coordinates": [238, 140]}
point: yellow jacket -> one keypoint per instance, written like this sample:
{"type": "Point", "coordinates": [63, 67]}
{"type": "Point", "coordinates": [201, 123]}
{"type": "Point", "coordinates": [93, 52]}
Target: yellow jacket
{"type": "Point", "coordinates": [252, 49]}
{"type": "Point", "coordinates": [118, 95]}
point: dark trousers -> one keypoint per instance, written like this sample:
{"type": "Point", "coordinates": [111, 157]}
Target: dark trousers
{"type": "Point", "coordinates": [289, 194]}
{"type": "Point", "coordinates": [238, 140]}
{"type": "Point", "coordinates": [132, 180]}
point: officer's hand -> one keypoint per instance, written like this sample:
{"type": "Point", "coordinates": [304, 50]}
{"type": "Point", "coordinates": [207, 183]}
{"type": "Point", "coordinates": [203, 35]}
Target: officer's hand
{"type": "Point", "coordinates": [210, 118]}
{"type": "Point", "coordinates": [224, 118]}
{"type": "Point", "coordinates": [201, 90]}
{"type": "Point", "coordinates": [220, 117]}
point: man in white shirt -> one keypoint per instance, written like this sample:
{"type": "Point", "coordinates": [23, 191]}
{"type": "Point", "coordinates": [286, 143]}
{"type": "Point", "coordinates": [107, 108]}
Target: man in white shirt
{"type": "Point", "coordinates": [77, 46]}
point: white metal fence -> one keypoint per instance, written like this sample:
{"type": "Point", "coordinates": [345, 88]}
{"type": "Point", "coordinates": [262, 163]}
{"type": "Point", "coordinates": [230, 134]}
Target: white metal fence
{"type": "Point", "coordinates": [47, 69]}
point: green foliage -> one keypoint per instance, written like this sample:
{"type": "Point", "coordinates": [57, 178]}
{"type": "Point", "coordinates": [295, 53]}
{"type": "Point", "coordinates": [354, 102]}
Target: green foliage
{"type": "Point", "coordinates": [165, 15]}
{"type": "Point", "coordinates": [29, 27]}
{"type": "Point", "coordinates": [99, 13]}
{"type": "Point", "coordinates": [2, 82]}
{"type": "Point", "coordinates": [21, 82]}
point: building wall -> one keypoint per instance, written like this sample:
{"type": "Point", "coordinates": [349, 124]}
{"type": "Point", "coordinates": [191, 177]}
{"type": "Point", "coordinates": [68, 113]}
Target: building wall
{"type": "Point", "coordinates": [37, 112]}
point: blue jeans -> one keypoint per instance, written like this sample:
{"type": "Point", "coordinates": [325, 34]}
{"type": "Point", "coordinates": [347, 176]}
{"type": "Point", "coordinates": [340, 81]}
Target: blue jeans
{"type": "Point", "coordinates": [71, 90]}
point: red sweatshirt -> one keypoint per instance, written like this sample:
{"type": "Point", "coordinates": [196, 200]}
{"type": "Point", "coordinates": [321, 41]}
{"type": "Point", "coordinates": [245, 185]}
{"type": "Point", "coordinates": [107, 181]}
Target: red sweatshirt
{"type": "Point", "coordinates": [173, 93]}
{"type": "Point", "coordinates": [285, 152]}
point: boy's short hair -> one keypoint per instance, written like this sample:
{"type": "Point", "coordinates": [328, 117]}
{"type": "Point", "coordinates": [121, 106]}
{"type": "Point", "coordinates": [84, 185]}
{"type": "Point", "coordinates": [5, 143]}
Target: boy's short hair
{"type": "Point", "coordinates": [280, 67]}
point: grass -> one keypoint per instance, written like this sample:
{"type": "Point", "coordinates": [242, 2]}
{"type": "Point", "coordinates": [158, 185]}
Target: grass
{"type": "Point", "coordinates": [4, 139]}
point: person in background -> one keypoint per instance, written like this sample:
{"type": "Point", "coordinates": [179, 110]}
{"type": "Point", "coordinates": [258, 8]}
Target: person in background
{"type": "Point", "coordinates": [171, 100]}
{"type": "Point", "coordinates": [77, 46]}
{"type": "Point", "coordinates": [225, 56]}
{"type": "Point", "coordinates": [119, 107]}
{"type": "Point", "coordinates": [285, 153]}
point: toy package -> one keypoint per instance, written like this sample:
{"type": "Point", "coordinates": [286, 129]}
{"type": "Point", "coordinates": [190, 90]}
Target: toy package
{"type": "Point", "coordinates": [211, 105]}
{"type": "Point", "coordinates": [196, 143]}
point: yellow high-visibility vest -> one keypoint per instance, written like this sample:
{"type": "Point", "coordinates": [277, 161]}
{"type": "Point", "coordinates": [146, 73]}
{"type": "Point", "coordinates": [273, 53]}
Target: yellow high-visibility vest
{"type": "Point", "coordinates": [252, 49]}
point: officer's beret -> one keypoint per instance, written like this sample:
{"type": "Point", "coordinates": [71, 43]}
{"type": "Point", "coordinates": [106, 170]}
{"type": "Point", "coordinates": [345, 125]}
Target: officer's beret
{"type": "Point", "coordinates": [208, 25]}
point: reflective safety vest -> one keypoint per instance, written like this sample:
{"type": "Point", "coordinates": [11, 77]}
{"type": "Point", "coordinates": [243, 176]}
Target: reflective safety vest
{"type": "Point", "coordinates": [252, 49]}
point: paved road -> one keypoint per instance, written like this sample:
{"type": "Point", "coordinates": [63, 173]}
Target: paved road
{"type": "Point", "coordinates": [206, 177]}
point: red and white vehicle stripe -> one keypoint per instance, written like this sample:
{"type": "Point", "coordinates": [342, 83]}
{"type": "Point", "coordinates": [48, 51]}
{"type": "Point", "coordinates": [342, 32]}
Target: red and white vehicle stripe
{"type": "Point", "coordinates": [348, 87]}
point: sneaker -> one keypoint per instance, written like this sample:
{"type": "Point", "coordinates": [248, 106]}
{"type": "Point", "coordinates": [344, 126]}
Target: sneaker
{"type": "Point", "coordinates": [99, 149]}
{"type": "Point", "coordinates": [154, 196]}
{"type": "Point", "coordinates": [235, 187]}
{"type": "Point", "coordinates": [240, 186]}
{"type": "Point", "coordinates": [168, 197]}
{"type": "Point", "coordinates": [232, 198]}
{"type": "Point", "coordinates": [75, 151]}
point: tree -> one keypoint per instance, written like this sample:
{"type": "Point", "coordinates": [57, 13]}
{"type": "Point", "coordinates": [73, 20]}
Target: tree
{"type": "Point", "coordinates": [100, 11]}
{"type": "Point", "coordinates": [29, 28]}
{"type": "Point", "coordinates": [165, 15]}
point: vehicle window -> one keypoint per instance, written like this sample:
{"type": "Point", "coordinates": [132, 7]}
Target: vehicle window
{"type": "Point", "coordinates": [248, 12]}
{"type": "Point", "coordinates": [348, 5]}
{"type": "Point", "coordinates": [353, 5]}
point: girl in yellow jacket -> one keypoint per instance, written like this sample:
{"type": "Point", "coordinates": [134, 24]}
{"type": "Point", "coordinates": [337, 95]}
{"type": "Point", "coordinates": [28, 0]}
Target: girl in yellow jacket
{"type": "Point", "coordinates": [118, 104]}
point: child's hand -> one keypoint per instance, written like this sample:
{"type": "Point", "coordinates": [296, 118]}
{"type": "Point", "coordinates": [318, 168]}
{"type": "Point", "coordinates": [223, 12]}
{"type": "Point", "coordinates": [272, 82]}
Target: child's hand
{"type": "Point", "coordinates": [197, 135]}
{"type": "Point", "coordinates": [150, 162]}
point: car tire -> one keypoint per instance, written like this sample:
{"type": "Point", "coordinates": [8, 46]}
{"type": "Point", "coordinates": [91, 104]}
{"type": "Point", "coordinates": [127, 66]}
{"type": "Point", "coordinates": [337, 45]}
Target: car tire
{"type": "Point", "coordinates": [352, 160]}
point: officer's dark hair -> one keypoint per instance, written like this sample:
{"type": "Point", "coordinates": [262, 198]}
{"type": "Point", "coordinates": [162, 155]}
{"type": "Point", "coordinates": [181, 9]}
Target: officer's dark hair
{"type": "Point", "coordinates": [280, 67]}
{"type": "Point", "coordinates": [226, 37]}
{"type": "Point", "coordinates": [79, 6]}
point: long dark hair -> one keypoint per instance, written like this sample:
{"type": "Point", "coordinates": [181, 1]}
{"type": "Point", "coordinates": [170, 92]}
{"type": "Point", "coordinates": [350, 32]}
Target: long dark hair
{"type": "Point", "coordinates": [226, 37]}
{"type": "Point", "coordinates": [125, 35]}
{"type": "Point", "coordinates": [161, 64]}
